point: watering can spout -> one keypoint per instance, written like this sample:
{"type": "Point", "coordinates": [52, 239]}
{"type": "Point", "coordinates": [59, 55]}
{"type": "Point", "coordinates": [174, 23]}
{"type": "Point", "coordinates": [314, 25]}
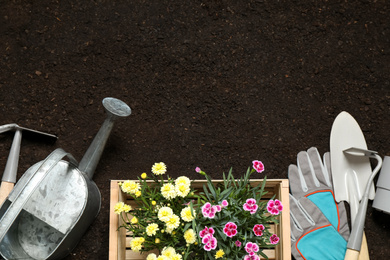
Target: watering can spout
{"type": "Point", "coordinates": [115, 109]}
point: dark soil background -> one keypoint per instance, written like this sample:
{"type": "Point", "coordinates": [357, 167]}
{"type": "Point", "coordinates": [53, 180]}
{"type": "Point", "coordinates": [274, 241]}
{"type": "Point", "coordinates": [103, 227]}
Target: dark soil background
{"type": "Point", "coordinates": [214, 84]}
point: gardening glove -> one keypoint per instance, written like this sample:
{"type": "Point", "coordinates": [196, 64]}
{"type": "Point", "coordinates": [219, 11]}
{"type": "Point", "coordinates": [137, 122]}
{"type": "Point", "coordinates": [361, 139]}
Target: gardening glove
{"type": "Point", "coordinates": [313, 237]}
{"type": "Point", "coordinates": [312, 179]}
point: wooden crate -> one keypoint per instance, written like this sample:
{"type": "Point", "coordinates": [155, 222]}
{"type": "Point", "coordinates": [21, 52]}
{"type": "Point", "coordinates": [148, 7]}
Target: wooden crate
{"type": "Point", "coordinates": [119, 241]}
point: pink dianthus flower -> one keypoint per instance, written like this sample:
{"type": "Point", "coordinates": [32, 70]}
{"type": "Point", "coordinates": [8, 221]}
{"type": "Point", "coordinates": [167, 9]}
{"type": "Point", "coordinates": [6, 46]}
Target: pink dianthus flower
{"type": "Point", "coordinates": [208, 210]}
{"type": "Point", "coordinates": [258, 166]}
{"type": "Point", "coordinates": [210, 242]}
{"type": "Point", "coordinates": [250, 206]}
{"type": "Point", "coordinates": [252, 257]}
{"type": "Point", "coordinates": [225, 203]}
{"type": "Point", "coordinates": [274, 239]}
{"type": "Point", "coordinates": [206, 231]}
{"type": "Point", "coordinates": [230, 229]}
{"type": "Point", "coordinates": [251, 248]}
{"type": "Point", "coordinates": [274, 207]}
{"type": "Point", "coordinates": [258, 229]}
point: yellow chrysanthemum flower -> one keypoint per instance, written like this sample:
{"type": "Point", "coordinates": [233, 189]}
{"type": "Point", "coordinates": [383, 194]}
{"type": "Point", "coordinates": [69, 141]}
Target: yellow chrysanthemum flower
{"type": "Point", "coordinates": [134, 220]}
{"type": "Point", "coordinates": [159, 168]}
{"type": "Point", "coordinates": [168, 191]}
{"type": "Point", "coordinates": [186, 214]}
{"type": "Point", "coordinates": [183, 180]}
{"type": "Point", "coordinates": [151, 256]}
{"type": "Point", "coordinates": [130, 187]}
{"type": "Point", "coordinates": [144, 175]}
{"type": "Point", "coordinates": [176, 257]}
{"type": "Point", "coordinates": [138, 193]}
{"type": "Point", "coordinates": [169, 230]}
{"type": "Point", "coordinates": [173, 222]}
{"type": "Point", "coordinates": [168, 251]}
{"type": "Point", "coordinates": [162, 257]}
{"type": "Point", "coordinates": [157, 241]}
{"type": "Point", "coordinates": [190, 236]}
{"type": "Point", "coordinates": [219, 254]}
{"type": "Point", "coordinates": [182, 190]}
{"type": "Point", "coordinates": [118, 208]}
{"type": "Point", "coordinates": [126, 208]}
{"type": "Point", "coordinates": [164, 214]}
{"type": "Point", "coordinates": [121, 207]}
{"type": "Point", "coordinates": [151, 229]}
{"type": "Point", "coordinates": [136, 244]}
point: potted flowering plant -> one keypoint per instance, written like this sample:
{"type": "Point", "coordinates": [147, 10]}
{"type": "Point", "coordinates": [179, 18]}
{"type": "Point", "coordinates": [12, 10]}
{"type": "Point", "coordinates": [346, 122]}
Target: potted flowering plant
{"type": "Point", "coordinates": [232, 221]}
{"type": "Point", "coordinates": [228, 221]}
{"type": "Point", "coordinates": [162, 217]}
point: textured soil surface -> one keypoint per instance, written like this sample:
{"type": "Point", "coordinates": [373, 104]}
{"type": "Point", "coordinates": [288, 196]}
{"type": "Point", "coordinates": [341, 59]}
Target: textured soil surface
{"type": "Point", "coordinates": [214, 84]}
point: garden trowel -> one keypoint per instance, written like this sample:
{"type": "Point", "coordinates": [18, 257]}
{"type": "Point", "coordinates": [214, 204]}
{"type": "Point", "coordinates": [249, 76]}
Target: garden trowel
{"type": "Point", "coordinates": [350, 173]}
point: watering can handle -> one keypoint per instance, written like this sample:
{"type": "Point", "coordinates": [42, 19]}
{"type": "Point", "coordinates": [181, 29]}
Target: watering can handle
{"type": "Point", "coordinates": [23, 196]}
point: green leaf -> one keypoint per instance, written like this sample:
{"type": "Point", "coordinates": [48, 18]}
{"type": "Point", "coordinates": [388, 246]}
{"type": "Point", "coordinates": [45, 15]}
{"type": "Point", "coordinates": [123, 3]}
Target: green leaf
{"type": "Point", "coordinates": [212, 190]}
{"type": "Point", "coordinates": [225, 193]}
{"type": "Point", "coordinates": [206, 193]}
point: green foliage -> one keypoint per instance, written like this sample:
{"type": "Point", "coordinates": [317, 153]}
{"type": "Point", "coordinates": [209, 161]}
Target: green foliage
{"type": "Point", "coordinates": [235, 192]}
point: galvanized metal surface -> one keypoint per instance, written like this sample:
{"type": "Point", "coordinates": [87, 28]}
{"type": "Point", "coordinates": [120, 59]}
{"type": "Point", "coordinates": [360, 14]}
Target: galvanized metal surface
{"type": "Point", "coordinates": [54, 202]}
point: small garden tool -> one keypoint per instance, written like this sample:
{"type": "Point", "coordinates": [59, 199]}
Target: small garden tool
{"type": "Point", "coordinates": [356, 237]}
{"type": "Point", "coordinates": [9, 175]}
{"type": "Point", "coordinates": [350, 173]}
{"type": "Point", "coordinates": [318, 222]}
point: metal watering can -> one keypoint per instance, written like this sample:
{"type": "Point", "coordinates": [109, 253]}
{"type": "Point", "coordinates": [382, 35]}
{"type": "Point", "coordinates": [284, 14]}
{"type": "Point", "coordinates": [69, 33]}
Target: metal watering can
{"type": "Point", "coordinates": [55, 201]}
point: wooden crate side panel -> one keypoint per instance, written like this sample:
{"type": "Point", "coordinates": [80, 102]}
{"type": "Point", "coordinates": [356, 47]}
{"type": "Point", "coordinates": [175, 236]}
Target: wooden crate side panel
{"type": "Point", "coordinates": [117, 238]}
{"type": "Point", "coordinates": [285, 238]}
{"type": "Point", "coordinates": [114, 222]}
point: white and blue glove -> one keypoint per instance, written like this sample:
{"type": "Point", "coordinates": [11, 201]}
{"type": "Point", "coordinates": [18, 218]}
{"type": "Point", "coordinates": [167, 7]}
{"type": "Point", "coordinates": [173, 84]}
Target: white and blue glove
{"type": "Point", "coordinates": [319, 225]}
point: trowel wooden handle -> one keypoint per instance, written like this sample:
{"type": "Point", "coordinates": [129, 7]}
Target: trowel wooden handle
{"type": "Point", "coordinates": [351, 254]}
{"type": "Point", "coordinates": [5, 190]}
{"type": "Point", "coordinates": [356, 255]}
{"type": "Point", "coordinates": [364, 255]}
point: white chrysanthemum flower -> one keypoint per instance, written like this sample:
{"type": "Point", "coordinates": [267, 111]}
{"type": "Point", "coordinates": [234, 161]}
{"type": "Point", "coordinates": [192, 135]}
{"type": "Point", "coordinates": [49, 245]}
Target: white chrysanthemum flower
{"type": "Point", "coordinates": [164, 214]}
{"type": "Point", "coordinates": [151, 256]}
{"type": "Point", "coordinates": [136, 244]}
{"type": "Point", "coordinates": [173, 222]}
{"type": "Point", "coordinates": [169, 230]}
{"type": "Point", "coordinates": [190, 236]}
{"type": "Point", "coordinates": [121, 207]}
{"type": "Point", "coordinates": [168, 251]}
{"type": "Point", "coordinates": [168, 191]}
{"type": "Point", "coordinates": [186, 214]}
{"type": "Point", "coordinates": [176, 257]}
{"type": "Point", "coordinates": [159, 168]}
{"type": "Point", "coordinates": [130, 187]}
{"type": "Point", "coordinates": [182, 190]}
{"type": "Point", "coordinates": [183, 180]}
{"type": "Point", "coordinates": [151, 229]}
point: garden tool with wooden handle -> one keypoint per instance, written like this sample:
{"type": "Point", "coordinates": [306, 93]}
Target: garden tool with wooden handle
{"type": "Point", "coordinates": [355, 239]}
{"type": "Point", "coordinates": [9, 175]}
{"type": "Point", "coordinates": [350, 173]}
